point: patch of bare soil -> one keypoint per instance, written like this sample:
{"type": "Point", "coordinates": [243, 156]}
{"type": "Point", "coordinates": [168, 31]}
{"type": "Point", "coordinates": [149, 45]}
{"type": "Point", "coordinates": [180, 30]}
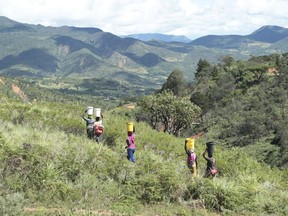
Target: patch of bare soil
{"type": "Point", "coordinates": [129, 106]}
{"type": "Point", "coordinates": [19, 92]}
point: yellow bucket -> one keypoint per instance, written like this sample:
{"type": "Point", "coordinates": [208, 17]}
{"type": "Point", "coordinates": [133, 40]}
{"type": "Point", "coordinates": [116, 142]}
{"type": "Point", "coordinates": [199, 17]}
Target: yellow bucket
{"type": "Point", "coordinates": [130, 126]}
{"type": "Point", "coordinates": [189, 142]}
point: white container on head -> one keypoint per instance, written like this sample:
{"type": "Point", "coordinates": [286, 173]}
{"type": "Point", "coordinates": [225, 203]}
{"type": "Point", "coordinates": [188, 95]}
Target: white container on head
{"type": "Point", "coordinates": [89, 110]}
{"type": "Point", "coordinates": [97, 112]}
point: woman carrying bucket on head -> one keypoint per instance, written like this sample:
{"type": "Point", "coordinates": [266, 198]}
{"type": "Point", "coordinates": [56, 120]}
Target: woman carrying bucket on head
{"type": "Point", "coordinates": [130, 141]}
{"type": "Point", "coordinates": [211, 169]}
{"type": "Point", "coordinates": [89, 122]}
{"type": "Point", "coordinates": [190, 142]}
{"type": "Point", "coordinates": [98, 125]}
{"type": "Point", "coordinates": [189, 147]}
{"type": "Point", "coordinates": [192, 162]}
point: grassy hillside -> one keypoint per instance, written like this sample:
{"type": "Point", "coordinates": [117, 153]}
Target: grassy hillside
{"type": "Point", "coordinates": [48, 166]}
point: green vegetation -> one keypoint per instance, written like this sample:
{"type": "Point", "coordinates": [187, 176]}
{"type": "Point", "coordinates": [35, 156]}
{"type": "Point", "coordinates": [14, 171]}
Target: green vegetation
{"type": "Point", "coordinates": [172, 113]}
{"type": "Point", "coordinates": [244, 104]}
{"type": "Point", "coordinates": [79, 57]}
{"type": "Point", "coordinates": [49, 167]}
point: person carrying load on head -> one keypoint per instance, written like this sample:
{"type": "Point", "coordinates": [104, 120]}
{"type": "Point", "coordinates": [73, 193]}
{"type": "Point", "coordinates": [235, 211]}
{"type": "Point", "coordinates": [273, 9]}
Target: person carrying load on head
{"type": "Point", "coordinates": [190, 142]}
{"type": "Point", "coordinates": [189, 147]}
{"type": "Point", "coordinates": [98, 124]}
{"type": "Point", "coordinates": [192, 162]}
{"type": "Point", "coordinates": [89, 122]}
{"type": "Point", "coordinates": [130, 142]}
{"type": "Point", "coordinates": [211, 169]}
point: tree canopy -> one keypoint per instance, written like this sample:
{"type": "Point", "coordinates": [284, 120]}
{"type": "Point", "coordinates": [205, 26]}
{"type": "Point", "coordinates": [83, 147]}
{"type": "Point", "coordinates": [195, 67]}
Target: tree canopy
{"type": "Point", "coordinates": [242, 103]}
{"type": "Point", "coordinates": [175, 83]}
{"type": "Point", "coordinates": [172, 113]}
{"type": "Point", "coordinates": [245, 103]}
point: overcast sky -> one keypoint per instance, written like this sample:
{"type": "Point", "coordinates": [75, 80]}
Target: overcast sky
{"type": "Point", "coordinates": [192, 18]}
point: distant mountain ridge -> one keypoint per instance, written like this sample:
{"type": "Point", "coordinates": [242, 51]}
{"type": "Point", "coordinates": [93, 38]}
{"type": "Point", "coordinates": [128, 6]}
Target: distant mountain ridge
{"type": "Point", "coordinates": [269, 34]}
{"type": "Point", "coordinates": [266, 34]}
{"type": "Point", "coordinates": [69, 52]}
{"type": "Point", "coordinates": [160, 37]}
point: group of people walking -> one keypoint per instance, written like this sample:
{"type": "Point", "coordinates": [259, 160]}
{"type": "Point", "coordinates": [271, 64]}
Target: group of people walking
{"type": "Point", "coordinates": [192, 161]}
{"type": "Point", "coordinates": [95, 129]}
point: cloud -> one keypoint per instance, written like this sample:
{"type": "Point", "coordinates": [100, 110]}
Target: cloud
{"type": "Point", "coordinates": [192, 18]}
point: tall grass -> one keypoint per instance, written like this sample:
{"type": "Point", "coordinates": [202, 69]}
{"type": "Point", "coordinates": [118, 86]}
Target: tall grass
{"type": "Point", "coordinates": [45, 166]}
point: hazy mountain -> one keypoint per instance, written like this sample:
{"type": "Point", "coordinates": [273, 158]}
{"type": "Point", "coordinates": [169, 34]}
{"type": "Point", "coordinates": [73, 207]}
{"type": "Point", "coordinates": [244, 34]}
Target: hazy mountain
{"type": "Point", "coordinates": [76, 53]}
{"type": "Point", "coordinates": [222, 41]}
{"type": "Point", "coordinates": [269, 34]}
{"type": "Point", "coordinates": [159, 37]}
{"type": "Point", "coordinates": [266, 34]}
{"type": "Point", "coordinates": [38, 51]}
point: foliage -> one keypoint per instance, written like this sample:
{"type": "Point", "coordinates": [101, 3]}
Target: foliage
{"type": "Point", "coordinates": [46, 168]}
{"type": "Point", "coordinates": [244, 103]}
{"type": "Point", "coordinates": [133, 66]}
{"type": "Point", "coordinates": [11, 203]}
{"type": "Point", "coordinates": [175, 83]}
{"type": "Point", "coordinates": [173, 113]}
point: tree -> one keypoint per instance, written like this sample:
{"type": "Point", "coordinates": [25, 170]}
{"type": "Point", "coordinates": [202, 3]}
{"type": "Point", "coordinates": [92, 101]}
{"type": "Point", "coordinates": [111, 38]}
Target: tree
{"type": "Point", "coordinates": [173, 113]}
{"type": "Point", "coordinates": [227, 61]}
{"type": "Point", "coordinates": [202, 67]}
{"type": "Point", "coordinates": [175, 83]}
{"type": "Point", "coordinates": [202, 100]}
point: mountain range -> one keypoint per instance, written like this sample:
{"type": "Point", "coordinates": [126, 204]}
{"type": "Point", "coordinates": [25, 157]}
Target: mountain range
{"type": "Point", "coordinates": [159, 37]}
{"type": "Point", "coordinates": [82, 54]}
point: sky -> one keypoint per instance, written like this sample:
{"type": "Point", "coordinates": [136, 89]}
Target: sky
{"type": "Point", "coordinates": [191, 18]}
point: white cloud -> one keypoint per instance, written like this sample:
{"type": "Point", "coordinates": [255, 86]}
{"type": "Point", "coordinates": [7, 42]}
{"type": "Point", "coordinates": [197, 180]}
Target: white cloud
{"type": "Point", "coordinates": [193, 18]}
